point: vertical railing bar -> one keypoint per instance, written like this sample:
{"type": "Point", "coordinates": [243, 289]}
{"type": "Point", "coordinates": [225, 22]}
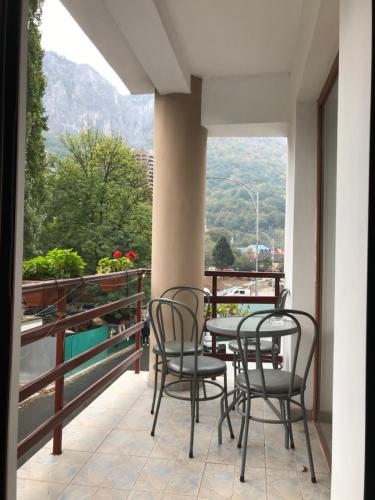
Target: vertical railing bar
{"type": "Point", "coordinates": [59, 383]}
{"type": "Point", "coordinates": [137, 364]}
{"type": "Point", "coordinates": [277, 286]}
{"type": "Point", "coordinates": [214, 312]}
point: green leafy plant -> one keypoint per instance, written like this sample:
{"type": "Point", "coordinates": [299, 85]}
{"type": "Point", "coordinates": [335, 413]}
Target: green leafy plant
{"type": "Point", "coordinates": [231, 310]}
{"type": "Point", "coordinates": [57, 263]}
{"type": "Point", "coordinates": [117, 262]}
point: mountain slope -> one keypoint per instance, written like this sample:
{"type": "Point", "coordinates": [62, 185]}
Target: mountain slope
{"type": "Point", "coordinates": [77, 97]}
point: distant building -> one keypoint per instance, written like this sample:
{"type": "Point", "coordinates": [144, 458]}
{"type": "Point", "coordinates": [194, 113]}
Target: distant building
{"type": "Point", "coordinates": [261, 248]}
{"type": "Point", "coordinates": [147, 157]}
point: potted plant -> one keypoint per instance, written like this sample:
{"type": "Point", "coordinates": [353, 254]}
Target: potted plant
{"type": "Point", "coordinates": [56, 264]}
{"type": "Point", "coordinates": [118, 262]}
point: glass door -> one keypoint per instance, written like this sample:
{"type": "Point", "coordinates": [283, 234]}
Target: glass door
{"type": "Point", "coordinates": [328, 163]}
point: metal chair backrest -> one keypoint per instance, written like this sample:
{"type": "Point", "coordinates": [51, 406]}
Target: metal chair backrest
{"type": "Point", "coordinates": [281, 299]}
{"type": "Point", "coordinates": [294, 316]}
{"type": "Point", "coordinates": [191, 296]}
{"type": "Point", "coordinates": [177, 318]}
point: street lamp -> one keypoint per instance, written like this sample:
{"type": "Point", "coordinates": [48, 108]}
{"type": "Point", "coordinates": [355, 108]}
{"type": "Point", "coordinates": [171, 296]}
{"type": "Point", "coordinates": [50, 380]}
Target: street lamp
{"type": "Point", "coordinates": [272, 241]}
{"type": "Point", "coordinates": [255, 200]}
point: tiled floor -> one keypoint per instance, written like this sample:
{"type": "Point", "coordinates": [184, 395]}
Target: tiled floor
{"type": "Point", "coordinates": [109, 454]}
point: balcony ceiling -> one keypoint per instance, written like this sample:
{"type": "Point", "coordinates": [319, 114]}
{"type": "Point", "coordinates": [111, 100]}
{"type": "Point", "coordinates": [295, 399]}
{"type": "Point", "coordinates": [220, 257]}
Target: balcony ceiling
{"type": "Point", "coordinates": [221, 38]}
{"type": "Point", "coordinates": [251, 54]}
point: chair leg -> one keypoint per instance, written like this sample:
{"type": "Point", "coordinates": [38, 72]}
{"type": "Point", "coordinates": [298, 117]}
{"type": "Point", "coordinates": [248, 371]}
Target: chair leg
{"type": "Point", "coordinates": [163, 375]}
{"type": "Point", "coordinates": [204, 389]}
{"type": "Point", "coordinates": [234, 373]}
{"type": "Point", "coordinates": [240, 436]}
{"type": "Point", "coordinates": [223, 415]}
{"type": "Point", "coordinates": [290, 425]}
{"type": "Point", "coordinates": [193, 393]}
{"type": "Point", "coordinates": [197, 402]}
{"type": "Point", "coordinates": [312, 470]}
{"type": "Point", "coordinates": [226, 406]}
{"type": "Point", "coordinates": [286, 426]}
{"type": "Point", "coordinates": [155, 384]}
{"type": "Point", "coordinates": [244, 449]}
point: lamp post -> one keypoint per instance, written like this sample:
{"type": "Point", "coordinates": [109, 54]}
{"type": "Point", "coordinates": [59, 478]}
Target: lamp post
{"type": "Point", "coordinates": [255, 199]}
{"type": "Point", "coordinates": [272, 241]}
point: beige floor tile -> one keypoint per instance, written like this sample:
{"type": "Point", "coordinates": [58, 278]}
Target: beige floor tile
{"type": "Point", "coordinates": [217, 481]}
{"type": "Point", "coordinates": [110, 471]}
{"type": "Point", "coordinates": [278, 457]}
{"type": "Point", "coordinates": [113, 401]}
{"type": "Point", "coordinates": [254, 487]}
{"type": "Point", "coordinates": [128, 442]}
{"type": "Point", "coordinates": [99, 417]}
{"type": "Point", "coordinates": [44, 466]}
{"type": "Point", "coordinates": [255, 455]}
{"type": "Point", "coordinates": [144, 495]}
{"type": "Point", "coordinates": [77, 492]}
{"type": "Point", "coordinates": [224, 453]}
{"type": "Point", "coordinates": [138, 419]}
{"type": "Point", "coordinates": [155, 475]}
{"type": "Point", "coordinates": [28, 489]}
{"type": "Point", "coordinates": [178, 497]}
{"type": "Point", "coordinates": [186, 478]}
{"type": "Point", "coordinates": [81, 438]}
{"type": "Point", "coordinates": [282, 484]}
{"type": "Point", "coordinates": [256, 429]}
{"type": "Point", "coordinates": [178, 446]}
{"type": "Point", "coordinates": [321, 490]}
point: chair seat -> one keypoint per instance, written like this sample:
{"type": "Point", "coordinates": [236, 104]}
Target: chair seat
{"type": "Point", "coordinates": [265, 346]}
{"type": "Point", "coordinates": [277, 382]}
{"type": "Point", "coordinates": [206, 366]}
{"type": "Point", "coordinates": [173, 348]}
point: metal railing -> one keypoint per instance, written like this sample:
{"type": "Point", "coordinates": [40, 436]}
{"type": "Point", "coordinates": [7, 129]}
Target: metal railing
{"type": "Point", "coordinates": [58, 329]}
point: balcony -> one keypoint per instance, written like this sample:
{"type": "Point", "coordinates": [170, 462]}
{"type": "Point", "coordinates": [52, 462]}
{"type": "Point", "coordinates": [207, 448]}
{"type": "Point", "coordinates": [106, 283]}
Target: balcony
{"type": "Point", "coordinates": [106, 451]}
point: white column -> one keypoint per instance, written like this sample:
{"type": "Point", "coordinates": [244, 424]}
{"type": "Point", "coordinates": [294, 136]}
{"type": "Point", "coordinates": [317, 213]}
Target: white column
{"type": "Point", "coordinates": [178, 225]}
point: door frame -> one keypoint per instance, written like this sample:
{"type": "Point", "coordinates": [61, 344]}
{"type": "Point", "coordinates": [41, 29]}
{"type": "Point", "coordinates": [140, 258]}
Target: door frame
{"type": "Point", "coordinates": [13, 75]}
{"type": "Point", "coordinates": [327, 87]}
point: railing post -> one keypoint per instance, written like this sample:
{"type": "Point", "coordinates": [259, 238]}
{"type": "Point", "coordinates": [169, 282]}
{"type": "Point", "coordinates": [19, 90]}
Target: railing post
{"type": "Point", "coordinates": [59, 383]}
{"type": "Point", "coordinates": [214, 312]}
{"type": "Point", "coordinates": [277, 286]}
{"type": "Point", "coordinates": [139, 318]}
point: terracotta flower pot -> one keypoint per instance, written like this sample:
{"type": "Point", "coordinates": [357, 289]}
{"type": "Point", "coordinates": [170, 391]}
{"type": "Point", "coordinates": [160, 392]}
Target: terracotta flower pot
{"type": "Point", "coordinates": [113, 284]}
{"type": "Point", "coordinates": [40, 298]}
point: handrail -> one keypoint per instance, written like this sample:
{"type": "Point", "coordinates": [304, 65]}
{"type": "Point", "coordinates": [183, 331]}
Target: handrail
{"type": "Point", "coordinates": [71, 282]}
{"type": "Point", "coordinates": [58, 329]}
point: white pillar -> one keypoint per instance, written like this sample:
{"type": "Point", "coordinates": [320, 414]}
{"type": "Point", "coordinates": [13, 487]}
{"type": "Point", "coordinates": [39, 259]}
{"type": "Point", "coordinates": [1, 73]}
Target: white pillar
{"type": "Point", "coordinates": [178, 224]}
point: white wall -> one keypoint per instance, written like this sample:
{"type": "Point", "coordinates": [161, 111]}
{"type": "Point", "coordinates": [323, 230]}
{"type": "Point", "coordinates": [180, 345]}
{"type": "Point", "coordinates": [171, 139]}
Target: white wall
{"type": "Point", "coordinates": [349, 378]}
{"type": "Point", "coordinates": [301, 216]}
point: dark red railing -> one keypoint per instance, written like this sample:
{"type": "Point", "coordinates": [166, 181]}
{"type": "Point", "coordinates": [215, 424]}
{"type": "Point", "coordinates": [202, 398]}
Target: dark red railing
{"type": "Point", "coordinates": [58, 328]}
{"type": "Point", "coordinates": [216, 299]}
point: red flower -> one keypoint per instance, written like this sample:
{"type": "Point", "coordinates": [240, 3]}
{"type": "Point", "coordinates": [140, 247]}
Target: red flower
{"type": "Point", "coordinates": [131, 255]}
{"type": "Point", "coordinates": [116, 254]}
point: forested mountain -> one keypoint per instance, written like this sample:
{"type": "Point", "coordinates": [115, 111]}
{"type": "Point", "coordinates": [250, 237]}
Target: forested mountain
{"type": "Point", "coordinates": [78, 97]}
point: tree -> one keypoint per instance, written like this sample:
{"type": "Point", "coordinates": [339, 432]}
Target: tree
{"type": "Point", "coordinates": [222, 253]}
{"type": "Point", "coordinates": [36, 123]}
{"type": "Point", "coordinates": [100, 199]}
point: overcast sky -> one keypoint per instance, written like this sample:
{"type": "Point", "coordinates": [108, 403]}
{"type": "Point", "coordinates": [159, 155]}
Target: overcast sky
{"type": "Point", "coordinates": [62, 34]}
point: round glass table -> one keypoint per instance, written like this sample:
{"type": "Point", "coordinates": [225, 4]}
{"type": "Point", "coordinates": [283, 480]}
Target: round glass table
{"type": "Point", "coordinates": [273, 327]}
